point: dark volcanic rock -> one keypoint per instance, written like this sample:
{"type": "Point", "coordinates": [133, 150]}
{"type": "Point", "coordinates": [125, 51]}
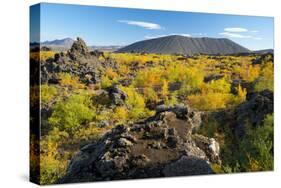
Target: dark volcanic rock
{"type": "Point", "coordinates": [183, 112]}
{"type": "Point", "coordinates": [244, 84]}
{"type": "Point", "coordinates": [79, 49]}
{"type": "Point", "coordinates": [254, 110]}
{"type": "Point", "coordinates": [116, 95]}
{"type": "Point", "coordinates": [187, 166]}
{"type": "Point", "coordinates": [267, 57]}
{"type": "Point", "coordinates": [97, 53]}
{"type": "Point", "coordinates": [174, 86]}
{"type": "Point", "coordinates": [161, 146]}
{"type": "Point", "coordinates": [213, 77]}
{"type": "Point", "coordinates": [45, 48]}
{"type": "Point", "coordinates": [78, 61]}
{"type": "Point", "coordinates": [210, 146]}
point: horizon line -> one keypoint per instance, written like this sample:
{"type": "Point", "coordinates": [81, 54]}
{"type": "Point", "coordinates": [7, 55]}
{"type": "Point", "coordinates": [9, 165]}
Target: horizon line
{"type": "Point", "coordinates": [90, 45]}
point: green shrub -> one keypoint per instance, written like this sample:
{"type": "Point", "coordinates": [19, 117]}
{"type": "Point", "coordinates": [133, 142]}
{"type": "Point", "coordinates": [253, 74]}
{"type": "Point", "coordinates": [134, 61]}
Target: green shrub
{"type": "Point", "coordinates": [136, 103]}
{"type": "Point", "coordinates": [106, 82]}
{"type": "Point", "coordinates": [253, 152]}
{"type": "Point", "coordinates": [257, 147]}
{"type": "Point", "coordinates": [84, 134]}
{"type": "Point", "coordinates": [171, 99]}
{"type": "Point", "coordinates": [265, 81]}
{"type": "Point", "coordinates": [70, 113]}
{"type": "Point", "coordinates": [150, 95]}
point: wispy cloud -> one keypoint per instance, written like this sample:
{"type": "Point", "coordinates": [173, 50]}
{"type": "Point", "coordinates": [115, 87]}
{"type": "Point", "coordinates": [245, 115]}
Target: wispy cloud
{"type": "Point", "coordinates": [165, 35]}
{"type": "Point", "coordinates": [235, 29]}
{"type": "Point", "coordinates": [239, 32]}
{"type": "Point", "coordinates": [146, 25]}
{"type": "Point", "coordinates": [234, 35]}
{"type": "Point", "coordinates": [237, 35]}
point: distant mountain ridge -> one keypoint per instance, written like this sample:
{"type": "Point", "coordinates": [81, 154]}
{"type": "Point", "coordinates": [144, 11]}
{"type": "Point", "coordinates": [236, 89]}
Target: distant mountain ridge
{"type": "Point", "coordinates": [109, 48]}
{"type": "Point", "coordinates": [173, 44]}
{"type": "Point", "coordinates": [59, 42]}
{"type": "Point", "coordinates": [176, 44]}
{"type": "Point", "coordinates": [66, 43]}
{"type": "Point", "coordinates": [265, 51]}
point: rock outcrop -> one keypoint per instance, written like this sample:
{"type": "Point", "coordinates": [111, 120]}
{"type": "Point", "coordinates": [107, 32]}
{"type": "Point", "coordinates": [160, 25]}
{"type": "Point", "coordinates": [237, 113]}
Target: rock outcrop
{"type": "Point", "coordinates": [79, 50]}
{"type": "Point", "coordinates": [254, 110]}
{"type": "Point", "coordinates": [78, 61]}
{"type": "Point", "coordinates": [111, 97]}
{"type": "Point", "coordinates": [116, 95]}
{"type": "Point", "coordinates": [266, 57]}
{"type": "Point", "coordinates": [160, 146]}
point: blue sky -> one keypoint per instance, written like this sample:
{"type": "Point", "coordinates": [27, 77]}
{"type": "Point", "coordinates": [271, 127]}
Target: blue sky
{"type": "Point", "coordinates": [120, 26]}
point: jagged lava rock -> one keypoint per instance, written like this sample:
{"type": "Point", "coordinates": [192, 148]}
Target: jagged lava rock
{"type": "Point", "coordinates": [78, 61]}
{"type": "Point", "coordinates": [79, 49]}
{"type": "Point", "coordinates": [116, 95]}
{"type": "Point", "coordinates": [160, 146]}
{"type": "Point", "coordinates": [253, 110]}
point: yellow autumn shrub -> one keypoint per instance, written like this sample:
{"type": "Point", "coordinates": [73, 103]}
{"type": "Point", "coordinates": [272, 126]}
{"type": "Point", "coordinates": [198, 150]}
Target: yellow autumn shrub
{"type": "Point", "coordinates": [136, 103]}
{"type": "Point", "coordinates": [209, 101]}
{"type": "Point", "coordinates": [68, 80]}
{"type": "Point", "coordinates": [266, 80]}
{"type": "Point", "coordinates": [47, 93]}
{"type": "Point", "coordinates": [249, 73]}
{"type": "Point", "coordinates": [120, 114]}
{"type": "Point", "coordinates": [42, 55]}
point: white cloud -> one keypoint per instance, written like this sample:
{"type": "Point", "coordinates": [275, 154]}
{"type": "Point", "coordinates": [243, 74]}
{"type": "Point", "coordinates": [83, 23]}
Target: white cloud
{"type": "Point", "coordinates": [234, 35]}
{"type": "Point", "coordinates": [157, 36]}
{"type": "Point", "coordinates": [235, 29]}
{"type": "Point", "coordinates": [236, 32]}
{"type": "Point", "coordinates": [146, 25]}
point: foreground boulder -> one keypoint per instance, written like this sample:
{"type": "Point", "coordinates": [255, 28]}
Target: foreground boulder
{"type": "Point", "coordinates": [160, 146]}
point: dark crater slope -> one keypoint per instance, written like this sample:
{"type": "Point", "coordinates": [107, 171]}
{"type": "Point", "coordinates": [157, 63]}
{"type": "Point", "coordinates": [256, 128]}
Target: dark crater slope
{"type": "Point", "coordinates": [163, 145]}
{"type": "Point", "coordinates": [176, 44]}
